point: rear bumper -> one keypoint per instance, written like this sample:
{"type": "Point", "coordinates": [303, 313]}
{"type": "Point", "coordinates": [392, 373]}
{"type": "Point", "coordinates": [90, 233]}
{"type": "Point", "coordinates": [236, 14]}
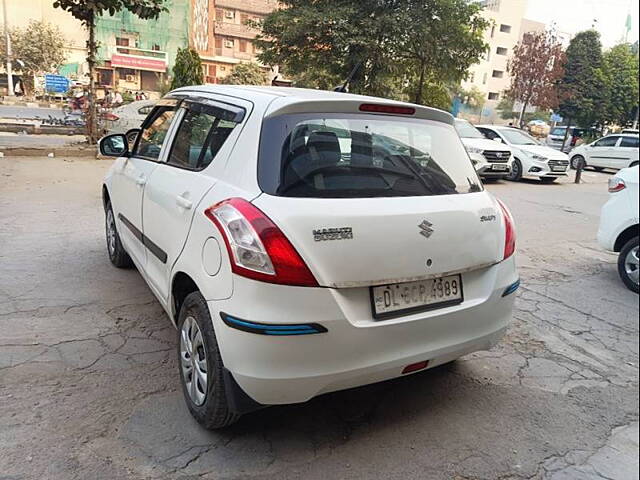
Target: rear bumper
{"type": "Point", "coordinates": [356, 350]}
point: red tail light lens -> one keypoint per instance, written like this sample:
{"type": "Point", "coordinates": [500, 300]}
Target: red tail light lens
{"type": "Point", "coordinates": [111, 116]}
{"type": "Point", "coordinates": [510, 232]}
{"type": "Point", "coordinates": [257, 247]}
{"type": "Point", "coordinates": [616, 184]}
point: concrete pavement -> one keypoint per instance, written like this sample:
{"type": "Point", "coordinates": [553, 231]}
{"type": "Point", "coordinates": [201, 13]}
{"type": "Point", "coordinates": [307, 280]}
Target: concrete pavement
{"type": "Point", "coordinates": [89, 386]}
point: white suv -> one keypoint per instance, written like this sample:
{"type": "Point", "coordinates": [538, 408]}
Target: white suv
{"type": "Point", "coordinates": [618, 231]}
{"type": "Point", "coordinates": [531, 159]}
{"type": "Point", "coordinates": [613, 151]}
{"type": "Point", "coordinates": [491, 159]}
{"type": "Point", "coordinates": [305, 242]}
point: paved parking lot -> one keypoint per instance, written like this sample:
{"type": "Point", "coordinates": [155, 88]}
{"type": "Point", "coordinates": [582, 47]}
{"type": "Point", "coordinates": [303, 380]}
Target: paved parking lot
{"type": "Point", "coordinates": [89, 387]}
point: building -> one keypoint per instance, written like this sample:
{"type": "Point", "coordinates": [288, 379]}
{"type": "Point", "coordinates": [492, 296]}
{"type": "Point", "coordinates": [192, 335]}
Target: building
{"type": "Point", "coordinates": [221, 35]}
{"type": "Point", "coordinates": [137, 55]}
{"type": "Point", "coordinates": [20, 13]}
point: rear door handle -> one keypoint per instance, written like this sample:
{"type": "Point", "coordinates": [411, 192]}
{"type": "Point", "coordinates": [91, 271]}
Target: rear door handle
{"type": "Point", "coordinates": [184, 202]}
{"type": "Point", "coordinates": [141, 180]}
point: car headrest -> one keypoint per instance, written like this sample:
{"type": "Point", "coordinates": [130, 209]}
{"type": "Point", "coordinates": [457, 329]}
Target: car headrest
{"type": "Point", "coordinates": [324, 148]}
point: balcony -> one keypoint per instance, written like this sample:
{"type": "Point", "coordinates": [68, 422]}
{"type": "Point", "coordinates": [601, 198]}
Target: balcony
{"type": "Point", "coordinates": [234, 30]}
{"type": "Point", "coordinates": [252, 6]}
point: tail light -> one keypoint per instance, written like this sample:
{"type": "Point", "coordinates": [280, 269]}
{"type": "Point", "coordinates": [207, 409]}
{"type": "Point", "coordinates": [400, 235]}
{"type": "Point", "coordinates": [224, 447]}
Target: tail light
{"type": "Point", "coordinates": [616, 184]}
{"type": "Point", "coordinates": [111, 116]}
{"type": "Point", "coordinates": [257, 247]}
{"type": "Point", "coordinates": [510, 232]}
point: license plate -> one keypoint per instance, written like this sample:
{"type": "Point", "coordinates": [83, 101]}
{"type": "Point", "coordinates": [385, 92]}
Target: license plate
{"type": "Point", "coordinates": [558, 169]}
{"type": "Point", "coordinates": [500, 167]}
{"type": "Point", "coordinates": [400, 298]}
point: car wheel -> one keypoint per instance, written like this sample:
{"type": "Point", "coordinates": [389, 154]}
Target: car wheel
{"type": "Point", "coordinates": [201, 367]}
{"type": "Point", "coordinates": [628, 264]}
{"type": "Point", "coordinates": [598, 169]}
{"type": "Point", "coordinates": [516, 171]}
{"type": "Point", "coordinates": [577, 161]}
{"type": "Point", "coordinates": [118, 256]}
{"type": "Point", "coordinates": [548, 179]}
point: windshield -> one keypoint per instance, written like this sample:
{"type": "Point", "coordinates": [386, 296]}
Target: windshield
{"type": "Point", "coordinates": [558, 131]}
{"type": "Point", "coordinates": [357, 156]}
{"type": "Point", "coordinates": [466, 130]}
{"type": "Point", "coordinates": [517, 137]}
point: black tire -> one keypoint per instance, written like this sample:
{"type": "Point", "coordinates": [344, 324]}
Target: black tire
{"type": "Point", "coordinates": [577, 160]}
{"type": "Point", "coordinates": [548, 179]}
{"type": "Point", "coordinates": [598, 169]}
{"type": "Point", "coordinates": [516, 171]}
{"type": "Point", "coordinates": [622, 267]}
{"type": "Point", "coordinates": [214, 412]}
{"type": "Point", "coordinates": [118, 256]}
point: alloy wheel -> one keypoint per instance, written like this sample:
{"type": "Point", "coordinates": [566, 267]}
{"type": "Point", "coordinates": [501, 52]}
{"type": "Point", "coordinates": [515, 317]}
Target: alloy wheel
{"type": "Point", "coordinates": [111, 232]}
{"type": "Point", "coordinates": [193, 359]}
{"type": "Point", "coordinates": [631, 265]}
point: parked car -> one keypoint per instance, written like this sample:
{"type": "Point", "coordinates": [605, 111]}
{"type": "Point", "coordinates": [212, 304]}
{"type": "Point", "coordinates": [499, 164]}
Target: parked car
{"type": "Point", "coordinates": [556, 137]}
{"type": "Point", "coordinates": [128, 116]}
{"type": "Point", "coordinates": [613, 151]}
{"type": "Point", "coordinates": [531, 160]}
{"type": "Point", "coordinates": [490, 159]}
{"type": "Point", "coordinates": [632, 131]}
{"type": "Point", "coordinates": [618, 231]}
{"type": "Point", "coordinates": [295, 258]}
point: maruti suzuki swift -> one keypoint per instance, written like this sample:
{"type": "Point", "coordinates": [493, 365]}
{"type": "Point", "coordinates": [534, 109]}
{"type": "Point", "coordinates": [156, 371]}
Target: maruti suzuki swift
{"type": "Point", "coordinates": [305, 242]}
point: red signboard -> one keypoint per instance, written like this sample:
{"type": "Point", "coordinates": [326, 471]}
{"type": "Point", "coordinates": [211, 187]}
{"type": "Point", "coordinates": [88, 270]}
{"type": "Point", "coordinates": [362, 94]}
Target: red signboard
{"type": "Point", "coordinates": [138, 63]}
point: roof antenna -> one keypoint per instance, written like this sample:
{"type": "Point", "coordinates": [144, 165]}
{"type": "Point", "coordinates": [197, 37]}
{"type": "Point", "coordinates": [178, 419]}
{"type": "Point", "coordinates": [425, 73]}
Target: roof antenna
{"type": "Point", "coordinates": [343, 88]}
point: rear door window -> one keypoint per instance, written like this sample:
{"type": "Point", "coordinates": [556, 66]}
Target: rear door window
{"type": "Point", "coordinates": [354, 156]}
{"type": "Point", "coordinates": [632, 142]}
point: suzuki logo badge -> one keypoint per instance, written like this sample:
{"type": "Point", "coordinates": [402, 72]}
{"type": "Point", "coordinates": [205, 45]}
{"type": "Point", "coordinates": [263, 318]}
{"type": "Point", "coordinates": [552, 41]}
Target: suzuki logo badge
{"type": "Point", "coordinates": [425, 228]}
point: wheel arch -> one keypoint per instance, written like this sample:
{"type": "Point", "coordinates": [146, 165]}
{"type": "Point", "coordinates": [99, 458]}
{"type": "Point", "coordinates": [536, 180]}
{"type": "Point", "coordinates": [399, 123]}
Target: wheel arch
{"type": "Point", "coordinates": [624, 236]}
{"type": "Point", "coordinates": [181, 286]}
{"type": "Point", "coordinates": [106, 198]}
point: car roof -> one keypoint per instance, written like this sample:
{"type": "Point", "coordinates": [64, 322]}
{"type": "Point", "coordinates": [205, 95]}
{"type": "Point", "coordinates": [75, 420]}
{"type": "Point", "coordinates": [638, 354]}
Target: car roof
{"type": "Point", "coordinates": [285, 99]}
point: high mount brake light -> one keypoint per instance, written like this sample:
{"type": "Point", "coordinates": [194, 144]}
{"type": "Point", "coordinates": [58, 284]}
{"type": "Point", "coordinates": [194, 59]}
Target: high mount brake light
{"type": "Point", "coordinates": [510, 232]}
{"type": "Point", "coordinates": [382, 108]}
{"type": "Point", "coordinates": [257, 247]}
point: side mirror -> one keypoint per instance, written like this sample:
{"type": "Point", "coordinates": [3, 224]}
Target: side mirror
{"type": "Point", "coordinates": [497, 139]}
{"type": "Point", "coordinates": [114, 145]}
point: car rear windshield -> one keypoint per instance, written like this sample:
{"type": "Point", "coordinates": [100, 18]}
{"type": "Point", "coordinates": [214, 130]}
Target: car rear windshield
{"type": "Point", "coordinates": [360, 156]}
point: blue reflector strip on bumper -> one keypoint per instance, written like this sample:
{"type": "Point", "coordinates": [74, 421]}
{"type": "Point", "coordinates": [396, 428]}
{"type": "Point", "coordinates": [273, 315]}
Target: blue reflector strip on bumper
{"type": "Point", "coordinates": [272, 329]}
{"type": "Point", "coordinates": [511, 288]}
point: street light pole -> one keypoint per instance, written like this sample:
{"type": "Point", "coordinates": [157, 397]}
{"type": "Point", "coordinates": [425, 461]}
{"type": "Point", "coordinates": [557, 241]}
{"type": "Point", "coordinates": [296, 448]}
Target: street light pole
{"type": "Point", "coordinates": [10, 91]}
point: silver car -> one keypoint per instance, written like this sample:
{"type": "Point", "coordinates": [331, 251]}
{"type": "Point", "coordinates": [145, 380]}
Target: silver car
{"type": "Point", "coordinates": [128, 116]}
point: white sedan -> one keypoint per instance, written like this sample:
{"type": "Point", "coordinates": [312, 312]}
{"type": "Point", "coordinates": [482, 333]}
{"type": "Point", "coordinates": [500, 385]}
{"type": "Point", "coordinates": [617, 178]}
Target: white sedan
{"type": "Point", "coordinates": [618, 231]}
{"type": "Point", "coordinates": [304, 242]}
{"type": "Point", "coordinates": [491, 159]}
{"type": "Point", "coordinates": [128, 116]}
{"type": "Point", "coordinates": [531, 160]}
{"type": "Point", "coordinates": [613, 151]}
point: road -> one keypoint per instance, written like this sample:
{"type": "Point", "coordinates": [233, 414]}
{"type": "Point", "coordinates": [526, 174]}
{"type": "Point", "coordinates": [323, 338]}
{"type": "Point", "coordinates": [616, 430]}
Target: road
{"type": "Point", "coordinates": [21, 112]}
{"type": "Point", "coordinates": [89, 384]}
{"type": "Point", "coordinates": [18, 140]}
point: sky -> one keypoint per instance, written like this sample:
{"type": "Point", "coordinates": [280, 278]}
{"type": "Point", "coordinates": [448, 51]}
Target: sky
{"type": "Point", "coordinates": [573, 16]}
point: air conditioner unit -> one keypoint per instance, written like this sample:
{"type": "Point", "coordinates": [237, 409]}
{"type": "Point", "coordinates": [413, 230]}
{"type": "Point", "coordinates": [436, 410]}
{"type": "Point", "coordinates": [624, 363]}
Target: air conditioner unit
{"type": "Point", "coordinates": [228, 43]}
{"type": "Point", "coordinates": [229, 14]}
{"type": "Point", "coordinates": [130, 78]}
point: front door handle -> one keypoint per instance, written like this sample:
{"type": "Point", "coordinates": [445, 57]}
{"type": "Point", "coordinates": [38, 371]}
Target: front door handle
{"type": "Point", "coordinates": [184, 202]}
{"type": "Point", "coordinates": [141, 180]}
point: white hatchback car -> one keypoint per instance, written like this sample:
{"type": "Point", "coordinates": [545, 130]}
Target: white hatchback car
{"type": "Point", "coordinates": [613, 151]}
{"type": "Point", "coordinates": [491, 159]}
{"type": "Point", "coordinates": [305, 242]}
{"type": "Point", "coordinates": [530, 159]}
{"type": "Point", "coordinates": [618, 231]}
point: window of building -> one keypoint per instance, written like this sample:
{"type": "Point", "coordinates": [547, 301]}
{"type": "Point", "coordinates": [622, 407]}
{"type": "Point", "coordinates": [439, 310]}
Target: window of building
{"type": "Point", "coordinates": [243, 46]}
{"type": "Point", "coordinates": [505, 28]}
{"type": "Point", "coordinates": [493, 96]}
{"type": "Point", "coordinates": [219, 14]}
{"type": "Point", "coordinates": [493, 30]}
{"type": "Point", "coordinates": [501, 51]}
{"type": "Point", "coordinates": [244, 18]}
{"type": "Point", "coordinates": [212, 70]}
{"type": "Point", "coordinates": [122, 42]}
{"type": "Point", "coordinates": [228, 42]}
{"type": "Point", "coordinates": [155, 47]}
{"type": "Point", "coordinates": [484, 78]}
{"type": "Point", "coordinates": [487, 54]}
{"type": "Point", "coordinates": [497, 74]}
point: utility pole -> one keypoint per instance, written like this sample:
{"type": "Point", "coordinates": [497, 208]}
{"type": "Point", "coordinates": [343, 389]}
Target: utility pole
{"type": "Point", "coordinates": [10, 91]}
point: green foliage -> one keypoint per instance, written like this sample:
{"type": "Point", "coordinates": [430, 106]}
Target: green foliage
{"type": "Point", "coordinates": [505, 108]}
{"type": "Point", "coordinates": [406, 49]}
{"type": "Point", "coordinates": [40, 47]}
{"type": "Point", "coordinates": [246, 74]}
{"type": "Point", "coordinates": [188, 69]}
{"type": "Point", "coordinates": [582, 89]}
{"type": "Point", "coordinates": [620, 70]}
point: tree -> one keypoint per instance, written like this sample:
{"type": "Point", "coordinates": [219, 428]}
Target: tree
{"type": "Point", "coordinates": [537, 65]}
{"type": "Point", "coordinates": [39, 48]}
{"type": "Point", "coordinates": [620, 71]}
{"type": "Point", "coordinates": [246, 74]}
{"type": "Point", "coordinates": [406, 49]}
{"type": "Point", "coordinates": [581, 90]}
{"type": "Point", "coordinates": [87, 11]}
{"type": "Point", "coordinates": [188, 69]}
